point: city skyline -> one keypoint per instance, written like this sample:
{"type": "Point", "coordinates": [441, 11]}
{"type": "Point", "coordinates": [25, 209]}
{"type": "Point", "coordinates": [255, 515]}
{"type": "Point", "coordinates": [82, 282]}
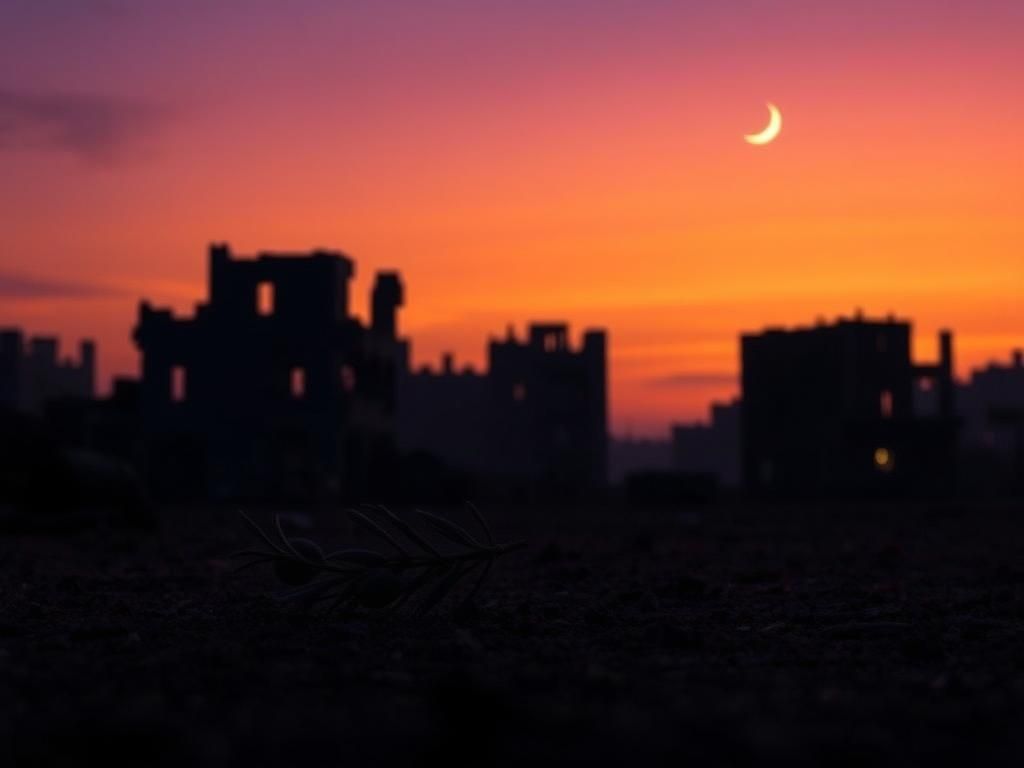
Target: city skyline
{"type": "Point", "coordinates": [272, 385]}
{"type": "Point", "coordinates": [589, 168]}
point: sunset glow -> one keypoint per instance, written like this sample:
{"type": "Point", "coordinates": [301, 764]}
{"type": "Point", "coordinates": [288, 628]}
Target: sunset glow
{"type": "Point", "coordinates": [534, 161]}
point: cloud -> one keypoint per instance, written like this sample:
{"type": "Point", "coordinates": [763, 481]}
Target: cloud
{"type": "Point", "coordinates": [684, 380]}
{"type": "Point", "coordinates": [94, 128]}
{"type": "Point", "coordinates": [15, 286]}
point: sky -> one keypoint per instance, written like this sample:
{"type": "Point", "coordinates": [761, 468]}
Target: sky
{"type": "Point", "coordinates": [536, 160]}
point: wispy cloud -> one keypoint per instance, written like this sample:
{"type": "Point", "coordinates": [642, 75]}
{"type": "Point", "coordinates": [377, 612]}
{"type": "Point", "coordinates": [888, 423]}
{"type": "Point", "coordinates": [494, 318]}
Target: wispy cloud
{"type": "Point", "coordinates": [698, 379]}
{"type": "Point", "coordinates": [14, 286]}
{"type": "Point", "coordinates": [95, 128]}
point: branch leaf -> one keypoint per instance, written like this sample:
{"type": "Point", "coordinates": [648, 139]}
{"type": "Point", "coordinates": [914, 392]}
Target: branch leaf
{"type": "Point", "coordinates": [259, 532]}
{"type": "Point", "coordinates": [375, 528]}
{"type": "Point", "coordinates": [409, 532]}
{"type": "Point", "coordinates": [451, 531]}
{"type": "Point", "coordinates": [342, 577]}
{"type": "Point", "coordinates": [482, 522]}
{"type": "Point", "coordinates": [287, 542]}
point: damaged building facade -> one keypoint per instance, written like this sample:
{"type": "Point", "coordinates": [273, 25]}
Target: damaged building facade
{"type": "Point", "coordinates": [272, 388]}
{"type": "Point", "coordinates": [842, 408]}
{"type": "Point", "coordinates": [535, 418]}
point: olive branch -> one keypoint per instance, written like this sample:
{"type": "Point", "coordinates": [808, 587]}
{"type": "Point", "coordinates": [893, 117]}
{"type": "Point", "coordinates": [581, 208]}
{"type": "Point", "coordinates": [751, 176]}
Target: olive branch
{"type": "Point", "coordinates": [416, 564]}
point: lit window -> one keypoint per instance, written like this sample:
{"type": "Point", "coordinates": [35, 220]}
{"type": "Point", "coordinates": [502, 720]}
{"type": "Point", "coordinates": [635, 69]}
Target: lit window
{"type": "Point", "coordinates": [178, 384]}
{"type": "Point", "coordinates": [550, 342]}
{"type": "Point", "coordinates": [348, 378]}
{"type": "Point", "coordinates": [298, 383]}
{"type": "Point", "coordinates": [265, 298]}
{"type": "Point", "coordinates": [926, 384]}
{"type": "Point", "coordinates": [885, 404]}
{"type": "Point", "coordinates": [884, 460]}
{"type": "Point", "coordinates": [519, 392]}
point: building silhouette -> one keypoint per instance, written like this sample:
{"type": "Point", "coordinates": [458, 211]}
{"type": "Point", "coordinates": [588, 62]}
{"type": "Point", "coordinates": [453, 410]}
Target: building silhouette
{"type": "Point", "coordinates": [272, 388]}
{"type": "Point", "coordinates": [537, 416]}
{"type": "Point", "coordinates": [835, 408]}
{"type": "Point", "coordinates": [711, 447]}
{"type": "Point", "coordinates": [32, 373]}
{"type": "Point", "coordinates": [991, 408]}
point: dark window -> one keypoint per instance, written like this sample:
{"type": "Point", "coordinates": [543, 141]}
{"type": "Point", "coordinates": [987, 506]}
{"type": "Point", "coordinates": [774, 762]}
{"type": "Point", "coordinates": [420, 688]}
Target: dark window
{"type": "Point", "coordinates": [885, 404]}
{"type": "Point", "coordinates": [178, 382]}
{"type": "Point", "coordinates": [265, 298]}
{"type": "Point", "coordinates": [298, 383]}
{"type": "Point", "coordinates": [348, 378]}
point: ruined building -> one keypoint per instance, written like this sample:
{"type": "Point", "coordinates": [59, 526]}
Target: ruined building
{"type": "Point", "coordinates": [32, 373]}
{"type": "Point", "coordinates": [272, 388]}
{"type": "Point", "coordinates": [841, 407]}
{"type": "Point", "coordinates": [537, 415]}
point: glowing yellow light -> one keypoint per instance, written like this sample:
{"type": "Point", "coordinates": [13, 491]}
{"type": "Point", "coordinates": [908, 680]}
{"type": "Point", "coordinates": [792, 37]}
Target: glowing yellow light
{"type": "Point", "coordinates": [883, 459]}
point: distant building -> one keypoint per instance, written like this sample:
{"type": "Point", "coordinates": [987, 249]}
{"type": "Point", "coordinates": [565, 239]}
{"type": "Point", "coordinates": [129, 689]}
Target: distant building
{"type": "Point", "coordinates": [272, 388]}
{"type": "Point", "coordinates": [537, 414]}
{"type": "Point", "coordinates": [991, 408]}
{"type": "Point", "coordinates": [32, 373]}
{"type": "Point", "coordinates": [835, 408]}
{"type": "Point", "coordinates": [711, 448]}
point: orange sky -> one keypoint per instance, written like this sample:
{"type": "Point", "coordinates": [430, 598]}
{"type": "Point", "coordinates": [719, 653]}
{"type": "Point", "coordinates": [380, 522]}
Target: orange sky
{"type": "Point", "coordinates": [533, 164]}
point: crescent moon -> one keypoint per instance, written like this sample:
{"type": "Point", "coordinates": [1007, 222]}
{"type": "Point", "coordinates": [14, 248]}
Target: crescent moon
{"type": "Point", "coordinates": [771, 130]}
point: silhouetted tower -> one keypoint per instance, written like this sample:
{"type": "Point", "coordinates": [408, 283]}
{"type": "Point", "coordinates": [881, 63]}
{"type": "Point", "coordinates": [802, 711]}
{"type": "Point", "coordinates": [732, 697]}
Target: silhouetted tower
{"type": "Point", "coordinates": [944, 372]}
{"type": "Point", "coordinates": [388, 296]}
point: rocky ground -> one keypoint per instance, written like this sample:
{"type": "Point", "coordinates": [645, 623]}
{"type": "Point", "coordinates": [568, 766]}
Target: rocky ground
{"type": "Point", "coordinates": [811, 635]}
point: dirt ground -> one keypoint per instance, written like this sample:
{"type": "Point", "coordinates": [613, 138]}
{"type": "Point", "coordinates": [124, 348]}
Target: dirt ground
{"type": "Point", "coordinates": [838, 635]}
